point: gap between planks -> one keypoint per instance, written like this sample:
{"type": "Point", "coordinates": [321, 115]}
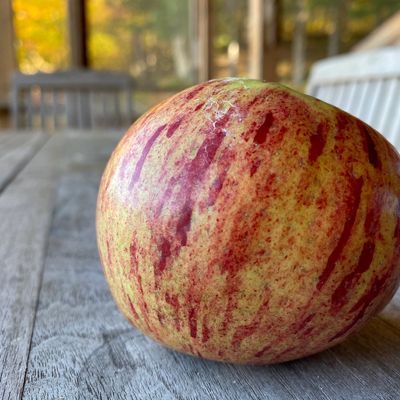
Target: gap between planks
{"type": "Point", "coordinates": [16, 150]}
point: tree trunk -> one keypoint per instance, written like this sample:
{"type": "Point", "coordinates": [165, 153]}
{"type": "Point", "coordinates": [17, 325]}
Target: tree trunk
{"type": "Point", "coordinates": [272, 21]}
{"type": "Point", "coordinates": [339, 19]}
{"type": "Point", "coordinates": [299, 42]}
{"type": "Point", "coordinates": [205, 47]}
{"type": "Point", "coordinates": [181, 62]}
{"type": "Point", "coordinates": [193, 35]}
{"type": "Point", "coordinates": [256, 39]}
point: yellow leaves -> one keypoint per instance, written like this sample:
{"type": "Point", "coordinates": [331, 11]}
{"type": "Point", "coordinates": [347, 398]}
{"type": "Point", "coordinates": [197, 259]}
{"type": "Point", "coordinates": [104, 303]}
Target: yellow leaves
{"type": "Point", "coordinates": [41, 32]}
{"type": "Point", "coordinates": [104, 49]}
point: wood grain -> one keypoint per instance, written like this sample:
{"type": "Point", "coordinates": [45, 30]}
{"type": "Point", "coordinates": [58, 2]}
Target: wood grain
{"type": "Point", "coordinates": [25, 213]}
{"type": "Point", "coordinates": [75, 310]}
{"type": "Point", "coordinates": [16, 150]}
{"type": "Point", "coordinates": [26, 206]}
{"type": "Point", "coordinates": [82, 348]}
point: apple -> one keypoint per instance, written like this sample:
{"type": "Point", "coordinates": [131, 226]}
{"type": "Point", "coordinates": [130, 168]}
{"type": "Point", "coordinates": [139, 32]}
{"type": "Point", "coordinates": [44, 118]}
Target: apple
{"type": "Point", "coordinates": [244, 222]}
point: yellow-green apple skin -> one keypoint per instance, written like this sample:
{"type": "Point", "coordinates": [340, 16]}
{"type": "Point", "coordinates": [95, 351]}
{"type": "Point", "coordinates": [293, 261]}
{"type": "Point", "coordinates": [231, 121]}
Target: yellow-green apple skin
{"type": "Point", "coordinates": [244, 222]}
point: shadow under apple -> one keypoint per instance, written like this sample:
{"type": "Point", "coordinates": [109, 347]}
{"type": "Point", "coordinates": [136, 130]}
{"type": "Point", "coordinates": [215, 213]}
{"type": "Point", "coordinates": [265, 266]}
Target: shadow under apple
{"type": "Point", "coordinates": [364, 366]}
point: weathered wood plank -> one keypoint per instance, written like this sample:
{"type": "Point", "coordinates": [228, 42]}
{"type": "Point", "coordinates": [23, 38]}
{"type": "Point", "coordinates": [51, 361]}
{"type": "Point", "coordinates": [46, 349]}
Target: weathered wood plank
{"type": "Point", "coordinates": [16, 150]}
{"type": "Point", "coordinates": [75, 309]}
{"type": "Point", "coordinates": [82, 348]}
{"type": "Point", "coordinates": [25, 213]}
{"type": "Point", "coordinates": [7, 140]}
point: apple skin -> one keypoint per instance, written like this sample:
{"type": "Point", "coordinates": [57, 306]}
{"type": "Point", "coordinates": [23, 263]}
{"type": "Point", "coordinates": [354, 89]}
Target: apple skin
{"type": "Point", "coordinates": [242, 221]}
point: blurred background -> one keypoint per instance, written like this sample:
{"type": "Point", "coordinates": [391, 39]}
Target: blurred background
{"type": "Point", "coordinates": [165, 46]}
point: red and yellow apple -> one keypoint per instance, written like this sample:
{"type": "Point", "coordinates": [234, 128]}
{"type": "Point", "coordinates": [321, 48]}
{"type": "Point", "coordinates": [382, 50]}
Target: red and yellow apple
{"type": "Point", "coordinates": [245, 222]}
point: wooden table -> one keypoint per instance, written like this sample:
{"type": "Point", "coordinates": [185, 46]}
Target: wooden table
{"type": "Point", "coordinates": [62, 336]}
